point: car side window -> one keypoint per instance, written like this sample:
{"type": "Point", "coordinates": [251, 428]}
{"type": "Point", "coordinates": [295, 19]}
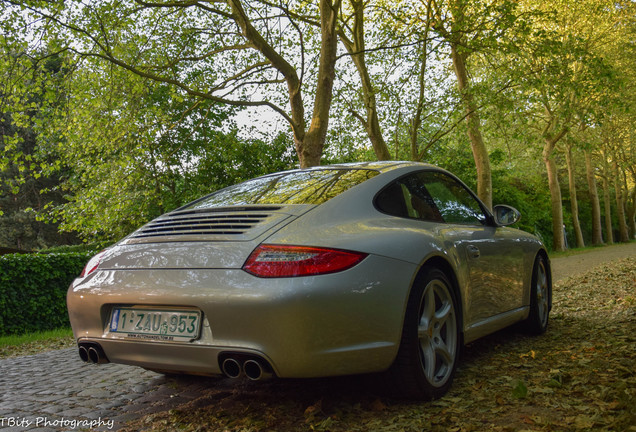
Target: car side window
{"type": "Point", "coordinates": [454, 201]}
{"type": "Point", "coordinates": [431, 196]}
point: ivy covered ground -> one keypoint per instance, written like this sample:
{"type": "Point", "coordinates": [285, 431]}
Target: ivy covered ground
{"type": "Point", "coordinates": [579, 376]}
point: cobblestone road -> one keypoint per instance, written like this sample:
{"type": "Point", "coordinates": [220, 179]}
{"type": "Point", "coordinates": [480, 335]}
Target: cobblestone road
{"type": "Point", "coordinates": [56, 391]}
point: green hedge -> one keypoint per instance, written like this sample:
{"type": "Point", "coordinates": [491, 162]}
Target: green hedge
{"type": "Point", "coordinates": [33, 290]}
{"type": "Point", "coordinates": [84, 247]}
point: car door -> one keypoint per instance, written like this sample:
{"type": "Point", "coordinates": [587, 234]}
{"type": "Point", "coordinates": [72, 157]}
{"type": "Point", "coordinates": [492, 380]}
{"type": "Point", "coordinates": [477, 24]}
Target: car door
{"type": "Point", "coordinates": [492, 255]}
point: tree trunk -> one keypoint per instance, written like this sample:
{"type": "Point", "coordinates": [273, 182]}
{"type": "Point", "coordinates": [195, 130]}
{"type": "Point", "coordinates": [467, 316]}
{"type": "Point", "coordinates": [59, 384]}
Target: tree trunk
{"type": "Point", "coordinates": [597, 234]}
{"type": "Point", "coordinates": [480, 154]}
{"type": "Point", "coordinates": [417, 118]}
{"type": "Point", "coordinates": [356, 49]}
{"type": "Point", "coordinates": [396, 137]}
{"type": "Point", "coordinates": [309, 143]}
{"type": "Point", "coordinates": [574, 205]}
{"type": "Point", "coordinates": [416, 122]}
{"type": "Point", "coordinates": [607, 201]}
{"type": "Point", "coordinates": [620, 207]}
{"type": "Point", "coordinates": [558, 239]}
{"type": "Point", "coordinates": [311, 148]}
{"type": "Point", "coordinates": [631, 215]}
{"type": "Point", "coordinates": [609, 234]}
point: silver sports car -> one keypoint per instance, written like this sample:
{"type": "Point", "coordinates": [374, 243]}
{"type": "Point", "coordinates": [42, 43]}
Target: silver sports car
{"type": "Point", "coordinates": [371, 267]}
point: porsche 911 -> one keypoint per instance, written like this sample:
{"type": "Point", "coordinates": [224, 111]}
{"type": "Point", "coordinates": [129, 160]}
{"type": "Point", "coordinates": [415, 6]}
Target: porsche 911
{"type": "Point", "coordinates": [384, 267]}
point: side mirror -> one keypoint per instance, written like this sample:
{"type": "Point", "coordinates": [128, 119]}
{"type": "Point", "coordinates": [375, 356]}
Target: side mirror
{"type": "Point", "coordinates": [506, 215]}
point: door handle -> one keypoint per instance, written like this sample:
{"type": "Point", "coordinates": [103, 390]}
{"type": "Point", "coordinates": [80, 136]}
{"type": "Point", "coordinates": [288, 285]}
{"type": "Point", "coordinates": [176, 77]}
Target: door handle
{"type": "Point", "coordinates": [473, 251]}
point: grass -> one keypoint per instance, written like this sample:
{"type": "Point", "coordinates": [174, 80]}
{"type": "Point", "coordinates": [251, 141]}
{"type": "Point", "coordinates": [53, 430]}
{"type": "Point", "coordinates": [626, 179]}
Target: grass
{"type": "Point", "coordinates": [33, 343]}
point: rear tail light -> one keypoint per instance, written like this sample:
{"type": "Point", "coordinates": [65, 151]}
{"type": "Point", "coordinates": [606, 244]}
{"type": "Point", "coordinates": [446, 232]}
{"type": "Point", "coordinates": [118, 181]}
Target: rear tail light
{"type": "Point", "coordinates": [92, 264]}
{"type": "Point", "coordinates": [271, 261]}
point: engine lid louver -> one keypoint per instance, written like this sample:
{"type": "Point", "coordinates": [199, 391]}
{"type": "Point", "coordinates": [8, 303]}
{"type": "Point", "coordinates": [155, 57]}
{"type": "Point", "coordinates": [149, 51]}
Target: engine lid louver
{"type": "Point", "coordinates": [209, 225]}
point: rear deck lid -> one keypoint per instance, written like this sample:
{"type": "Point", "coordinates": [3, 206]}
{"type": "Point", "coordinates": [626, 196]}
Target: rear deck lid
{"type": "Point", "coordinates": [212, 238]}
{"type": "Point", "coordinates": [213, 224]}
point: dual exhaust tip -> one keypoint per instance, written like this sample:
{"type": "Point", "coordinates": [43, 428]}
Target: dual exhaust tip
{"type": "Point", "coordinates": [253, 368]}
{"type": "Point", "coordinates": [92, 353]}
{"type": "Point", "coordinates": [232, 366]}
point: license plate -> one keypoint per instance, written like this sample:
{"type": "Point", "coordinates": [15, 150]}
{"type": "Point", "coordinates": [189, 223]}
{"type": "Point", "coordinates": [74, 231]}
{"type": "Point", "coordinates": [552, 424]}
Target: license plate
{"type": "Point", "coordinates": [156, 324]}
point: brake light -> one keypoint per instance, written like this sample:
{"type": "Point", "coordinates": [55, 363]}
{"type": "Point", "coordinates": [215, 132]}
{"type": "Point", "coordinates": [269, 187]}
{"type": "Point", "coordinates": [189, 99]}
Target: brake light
{"type": "Point", "coordinates": [271, 261]}
{"type": "Point", "coordinates": [92, 264]}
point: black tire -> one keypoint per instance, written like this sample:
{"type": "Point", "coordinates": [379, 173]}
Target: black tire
{"type": "Point", "coordinates": [540, 298]}
{"type": "Point", "coordinates": [431, 340]}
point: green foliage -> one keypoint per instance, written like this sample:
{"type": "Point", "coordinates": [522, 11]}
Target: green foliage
{"type": "Point", "coordinates": [127, 149]}
{"type": "Point", "coordinates": [28, 91]}
{"type": "Point", "coordinates": [33, 290]}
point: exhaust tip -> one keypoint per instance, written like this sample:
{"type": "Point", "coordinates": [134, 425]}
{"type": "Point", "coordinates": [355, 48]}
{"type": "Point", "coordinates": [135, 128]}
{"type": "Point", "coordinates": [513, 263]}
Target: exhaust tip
{"type": "Point", "coordinates": [92, 353]}
{"type": "Point", "coordinates": [236, 365]}
{"type": "Point", "coordinates": [231, 368]}
{"type": "Point", "coordinates": [255, 371]}
{"type": "Point", "coordinates": [83, 353]}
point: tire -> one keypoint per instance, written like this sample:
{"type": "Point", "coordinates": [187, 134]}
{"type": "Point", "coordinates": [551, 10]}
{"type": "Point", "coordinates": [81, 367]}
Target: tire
{"type": "Point", "coordinates": [540, 298]}
{"type": "Point", "coordinates": [431, 340]}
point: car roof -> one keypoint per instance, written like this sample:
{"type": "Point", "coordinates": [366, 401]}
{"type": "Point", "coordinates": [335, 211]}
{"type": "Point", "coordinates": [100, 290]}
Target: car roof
{"type": "Point", "coordinates": [381, 166]}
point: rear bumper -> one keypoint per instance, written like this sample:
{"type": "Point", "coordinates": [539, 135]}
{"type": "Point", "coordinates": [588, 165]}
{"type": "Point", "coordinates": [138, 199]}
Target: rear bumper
{"type": "Point", "coordinates": [337, 324]}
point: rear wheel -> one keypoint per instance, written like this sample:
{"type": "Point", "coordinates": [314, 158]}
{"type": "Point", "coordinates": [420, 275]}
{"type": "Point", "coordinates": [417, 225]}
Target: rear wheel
{"type": "Point", "coordinates": [540, 292]}
{"type": "Point", "coordinates": [429, 349]}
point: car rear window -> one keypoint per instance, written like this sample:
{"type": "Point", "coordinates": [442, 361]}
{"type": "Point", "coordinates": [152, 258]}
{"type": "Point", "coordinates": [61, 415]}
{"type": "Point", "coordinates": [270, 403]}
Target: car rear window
{"type": "Point", "coordinates": [294, 187]}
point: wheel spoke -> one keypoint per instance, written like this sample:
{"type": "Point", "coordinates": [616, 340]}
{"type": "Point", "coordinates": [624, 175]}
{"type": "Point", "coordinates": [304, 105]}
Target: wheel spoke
{"type": "Point", "coordinates": [543, 279]}
{"type": "Point", "coordinates": [428, 307]}
{"type": "Point", "coordinates": [430, 363]}
{"type": "Point", "coordinates": [422, 332]}
{"type": "Point", "coordinates": [444, 313]}
{"type": "Point", "coordinates": [427, 349]}
{"type": "Point", "coordinates": [445, 352]}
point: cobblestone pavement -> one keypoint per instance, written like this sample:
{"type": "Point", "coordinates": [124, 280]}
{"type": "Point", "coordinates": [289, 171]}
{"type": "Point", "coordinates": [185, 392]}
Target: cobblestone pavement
{"type": "Point", "coordinates": [56, 391]}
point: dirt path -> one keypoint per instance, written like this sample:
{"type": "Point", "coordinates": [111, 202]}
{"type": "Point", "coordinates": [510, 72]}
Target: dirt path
{"type": "Point", "coordinates": [574, 265]}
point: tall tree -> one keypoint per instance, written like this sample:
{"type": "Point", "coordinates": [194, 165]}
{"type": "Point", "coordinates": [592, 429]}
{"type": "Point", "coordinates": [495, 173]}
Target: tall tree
{"type": "Point", "coordinates": [574, 204]}
{"type": "Point", "coordinates": [423, 103]}
{"type": "Point", "coordinates": [352, 35]}
{"type": "Point", "coordinates": [455, 29]}
{"type": "Point", "coordinates": [619, 191]}
{"type": "Point", "coordinates": [607, 206]}
{"type": "Point", "coordinates": [597, 233]}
